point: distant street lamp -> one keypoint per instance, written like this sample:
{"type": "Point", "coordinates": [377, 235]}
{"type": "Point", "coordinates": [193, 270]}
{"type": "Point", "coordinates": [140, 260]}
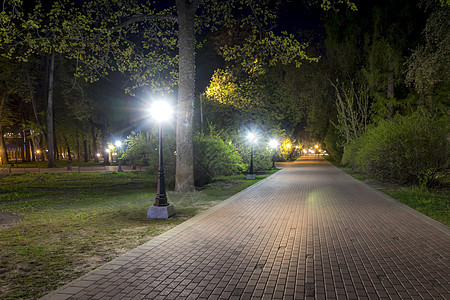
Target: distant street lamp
{"type": "Point", "coordinates": [161, 111]}
{"type": "Point", "coordinates": [252, 137]}
{"type": "Point", "coordinates": [119, 145]}
{"type": "Point", "coordinates": [273, 144]}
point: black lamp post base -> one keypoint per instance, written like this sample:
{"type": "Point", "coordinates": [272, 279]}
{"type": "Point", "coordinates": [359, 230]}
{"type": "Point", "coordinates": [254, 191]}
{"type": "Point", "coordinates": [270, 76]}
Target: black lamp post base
{"type": "Point", "coordinates": [160, 212]}
{"type": "Point", "coordinates": [251, 176]}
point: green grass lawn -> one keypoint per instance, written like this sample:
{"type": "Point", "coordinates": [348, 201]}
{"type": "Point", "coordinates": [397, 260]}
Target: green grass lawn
{"type": "Point", "coordinates": [75, 222]}
{"type": "Point", "coordinates": [434, 203]}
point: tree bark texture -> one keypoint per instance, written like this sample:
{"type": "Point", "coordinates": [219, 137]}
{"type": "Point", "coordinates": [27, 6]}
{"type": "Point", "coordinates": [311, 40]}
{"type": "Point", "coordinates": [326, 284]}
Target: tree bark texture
{"type": "Point", "coordinates": [184, 177]}
{"type": "Point", "coordinates": [86, 150]}
{"type": "Point", "coordinates": [390, 87]}
{"type": "Point", "coordinates": [50, 135]}
{"type": "Point", "coordinates": [3, 153]}
{"type": "Point", "coordinates": [69, 154]}
{"type": "Point", "coordinates": [94, 142]}
{"type": "Point", "coordinates": [104, 134]}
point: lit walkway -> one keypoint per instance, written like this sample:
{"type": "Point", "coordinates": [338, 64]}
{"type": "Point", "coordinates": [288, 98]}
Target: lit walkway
{"type": "Point", "coordinates": [308, 232]}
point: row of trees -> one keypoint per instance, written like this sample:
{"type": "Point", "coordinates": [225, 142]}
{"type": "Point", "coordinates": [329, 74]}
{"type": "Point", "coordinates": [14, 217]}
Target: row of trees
{"type": "Point", "coordinates": [376, 65]}
{"type": "Point", "coordinates": [363, 71]}
{"type": "Point", "coordinates": [139, 39]}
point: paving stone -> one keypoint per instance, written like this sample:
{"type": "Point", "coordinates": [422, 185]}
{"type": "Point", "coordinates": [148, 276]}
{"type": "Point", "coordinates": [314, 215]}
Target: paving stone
{"type": "Point", "coordinates": [309, 231]}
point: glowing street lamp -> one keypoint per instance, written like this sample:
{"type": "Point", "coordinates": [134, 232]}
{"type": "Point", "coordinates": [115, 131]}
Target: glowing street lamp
{"type": "Point", "coordinates": [161, 111]}
{"type": "Point", "coordinates": [119, 146]}
{"type": "Point", "coordinates": [252, 138]}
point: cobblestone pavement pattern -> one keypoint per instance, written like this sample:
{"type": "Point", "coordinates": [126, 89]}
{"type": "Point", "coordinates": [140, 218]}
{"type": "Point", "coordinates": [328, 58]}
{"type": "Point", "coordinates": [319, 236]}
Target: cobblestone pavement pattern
{"type": "Point", "coordinates": [308, 232]}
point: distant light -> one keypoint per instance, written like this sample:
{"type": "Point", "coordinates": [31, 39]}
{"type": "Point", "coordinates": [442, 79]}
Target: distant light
{"type": "Point", "coordinates": [118, 144]}
{"type": "Point", "coordinates": [161, 111]}
{"type": "Point", "coordinates": [108, 150]}
{"type": "Point", "coordinates": [316, 146]}
{"type": "Point", "coordinates": [98, 154]}
{"type": "Point", "coordinates": [273, 143]}
{"type": "Point", "coordinates": [288, 146]}
{"type": "Point", "coordinates": [110, 146]}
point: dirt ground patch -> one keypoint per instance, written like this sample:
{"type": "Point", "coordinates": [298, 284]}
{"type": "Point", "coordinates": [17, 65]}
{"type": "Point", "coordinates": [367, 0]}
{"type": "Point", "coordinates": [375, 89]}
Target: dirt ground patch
{"type": "Point", "coordinates": [8, 220]}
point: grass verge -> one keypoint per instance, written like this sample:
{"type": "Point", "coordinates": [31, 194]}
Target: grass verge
{"type": "Point", "coordinates": [75, 222]}
{"type": "Point", "coordinates": [434, 203]}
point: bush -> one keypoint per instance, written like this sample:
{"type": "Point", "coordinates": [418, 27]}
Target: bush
{"type": "Point", "coordinates": [262, 159]}
{"type": "Point", "coordinates": [412, 150]}
{"type": "Point", "coordinates": [333, 144]}
{"type": "Point", "coordinates": [213, 157]}
{"type": "Point", "coordinates": [142, 149]}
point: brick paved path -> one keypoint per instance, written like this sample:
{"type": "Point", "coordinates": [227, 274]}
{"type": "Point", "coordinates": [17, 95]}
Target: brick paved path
{"type": "Point", "coordinates": [308, 232]}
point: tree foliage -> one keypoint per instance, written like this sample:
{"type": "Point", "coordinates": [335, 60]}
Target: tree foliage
{"type": "Point", "coordinates": [411, 149]}
{"type": "Point", "coordinates": [428, 65]}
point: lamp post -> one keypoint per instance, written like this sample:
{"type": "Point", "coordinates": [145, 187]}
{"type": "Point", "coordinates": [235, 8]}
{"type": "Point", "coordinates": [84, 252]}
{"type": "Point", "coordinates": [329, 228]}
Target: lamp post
{"type": "Point", "coordinates": [119, 145]}
{"type": "Point", "coordinates": [273, 144]}
{"type": "Point", "coordinates": [161, 111]}
{"type": "Point", "coordinates": [252, 137]}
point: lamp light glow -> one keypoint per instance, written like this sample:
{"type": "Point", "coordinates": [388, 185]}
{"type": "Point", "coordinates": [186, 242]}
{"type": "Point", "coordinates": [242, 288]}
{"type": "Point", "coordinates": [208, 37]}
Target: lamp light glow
{"type": "Point", "coordinates": [161, 111]}
{"type": "Point", "coordinates": [252, 137]}
{"type": "Point", "coordinates": [273, 143]}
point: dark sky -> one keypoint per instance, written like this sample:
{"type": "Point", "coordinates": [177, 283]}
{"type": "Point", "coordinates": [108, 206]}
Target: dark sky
{"type": "Point", "coordinates": [295, 16]}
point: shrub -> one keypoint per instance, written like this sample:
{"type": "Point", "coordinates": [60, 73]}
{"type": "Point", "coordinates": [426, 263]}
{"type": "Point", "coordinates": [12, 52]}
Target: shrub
{"type": "Point", "coordinates": [412, 149]}
{"type": "Point", "coordinates": [142, 149]}
{"type": "Point", "coordinates": [213, 157]}
{"type": "Point", "coordinates": [262, 159]}
{"type": "Point", "coordinates": [332, 143]}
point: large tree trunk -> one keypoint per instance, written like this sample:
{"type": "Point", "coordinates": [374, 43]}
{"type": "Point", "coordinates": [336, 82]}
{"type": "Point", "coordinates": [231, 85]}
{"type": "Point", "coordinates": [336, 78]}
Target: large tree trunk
{"type": "Point", "coordinates": [3, 153]}
{"type": "Point", "coordinates": [32, 149]}
{"type": "Point", "coordinates": [94, 141]}
{"type": "Point", "coordinates": [78, 147]}
{"type": "Point", "coordinates": [390, 88]}
{"type": "Point", "coordinates": [69, 154]}
{"type": "Point", "coordinates": [50, 135]}
{"type": "Point", "coordinates": [184, 177]}
{"type": "Point", "coordinates": [27, 146]}
{"type": "Point", "coordinates": [86, 150]}
{"type": "Point", "coordinates": [104, 133]}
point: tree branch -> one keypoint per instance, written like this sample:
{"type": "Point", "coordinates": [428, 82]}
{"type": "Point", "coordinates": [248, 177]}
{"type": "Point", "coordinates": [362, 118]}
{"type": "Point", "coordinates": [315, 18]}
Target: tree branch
{"type": "Point", "coordinates": [143, 18]}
